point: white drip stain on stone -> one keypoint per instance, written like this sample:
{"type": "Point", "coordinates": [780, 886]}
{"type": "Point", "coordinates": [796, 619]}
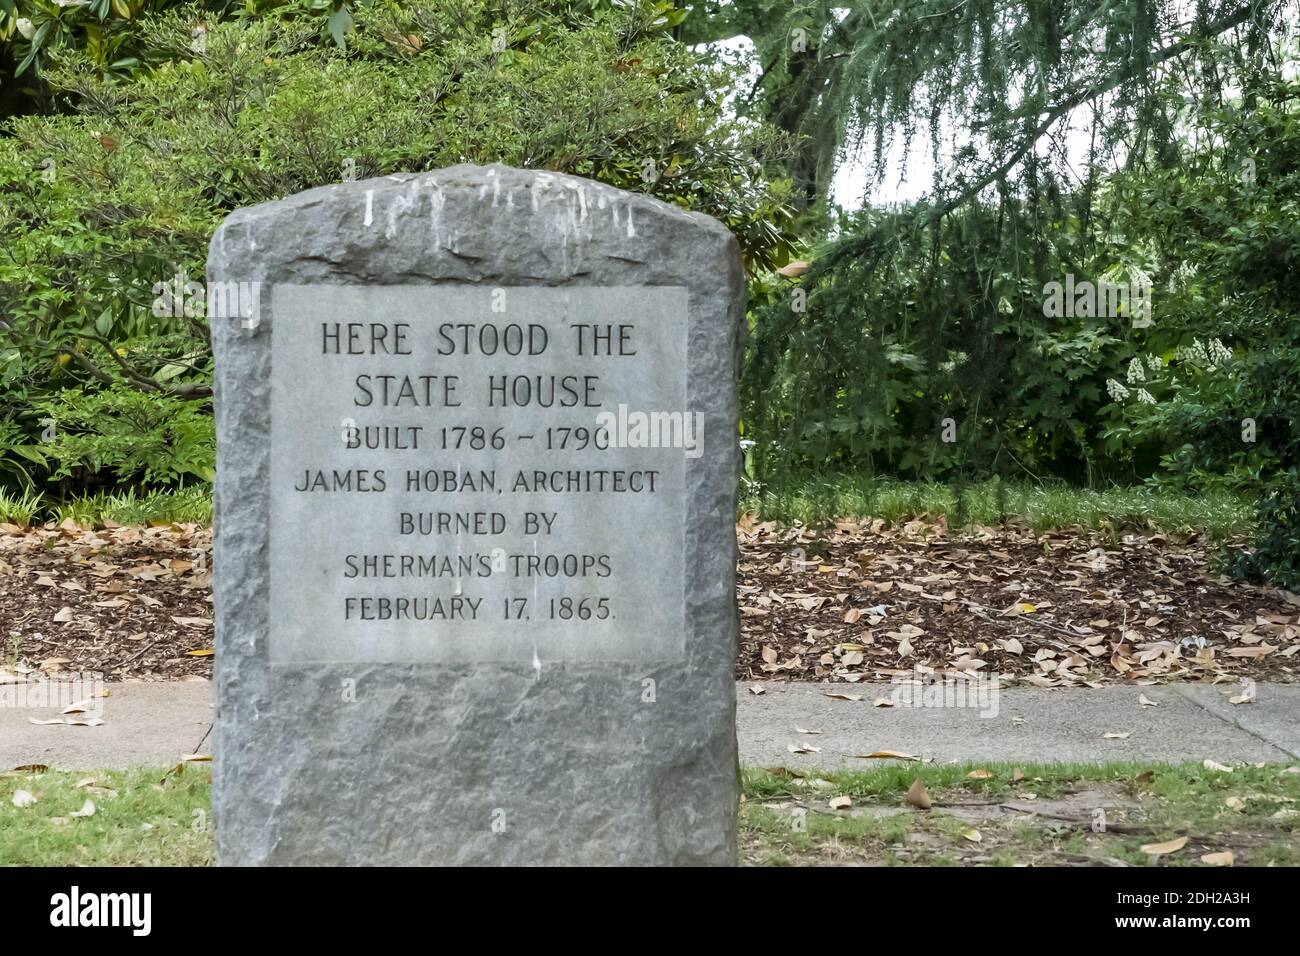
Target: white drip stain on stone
{"type": "Point", "coordinates": [494, 183]}
{"type": "Point", "coordinates": [437, 200]}
{"type": "Point", "coordinates": [541, 185]}
{"type": "Point", "coordinates": [582, 200]}
{"type": "Point", "coordinates": [537, 664]}
{"type": "Point", "coordinates": [402, 202]}
{"type": "Point", "coordinates": [370, 207]}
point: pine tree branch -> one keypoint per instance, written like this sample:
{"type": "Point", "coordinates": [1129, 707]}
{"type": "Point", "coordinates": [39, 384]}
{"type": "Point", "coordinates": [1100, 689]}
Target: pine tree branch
{"type": "Point", "coordinates": [1125, 73]}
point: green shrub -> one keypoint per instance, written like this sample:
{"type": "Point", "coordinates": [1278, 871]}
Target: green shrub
{"type": "Point", "coordinates": [105, 207]}
{"type": "Point", "coordinates": [902, 324]}
{"type": "Point", "coordinates": [1276, 555]}
{"type": "Point", "coordinates": [19, 458]}
{"type": "Point", "coordinates": [134, 437]}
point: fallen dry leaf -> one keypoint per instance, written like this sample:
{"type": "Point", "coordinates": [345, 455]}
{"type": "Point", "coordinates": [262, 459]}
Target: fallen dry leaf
{"type": "Point", "coordinates": [1263, 650]}
{"type": "Point", "coordinates": [1161, 849]}
{"type": "Point", "coordinates": [917, 797]}
{"type": "Point", "coordinates": [887, 755]}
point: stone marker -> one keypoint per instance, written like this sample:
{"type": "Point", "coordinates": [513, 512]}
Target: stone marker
{"type": "Point", "coordinates": [475, 549]}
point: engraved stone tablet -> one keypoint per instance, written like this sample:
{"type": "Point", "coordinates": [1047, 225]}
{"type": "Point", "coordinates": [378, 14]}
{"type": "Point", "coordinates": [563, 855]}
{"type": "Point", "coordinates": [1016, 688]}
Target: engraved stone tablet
{"type": "Point", "coordinates": [475, 545]}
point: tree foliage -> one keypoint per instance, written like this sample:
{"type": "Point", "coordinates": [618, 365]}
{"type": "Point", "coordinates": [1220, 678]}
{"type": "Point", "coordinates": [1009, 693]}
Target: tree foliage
{"type": "Point", "coordinates": [908, 320]}
{"type": "Point", "coordinates": [104, 207]}
{"type": "Point", "coordinates": [986, 82]}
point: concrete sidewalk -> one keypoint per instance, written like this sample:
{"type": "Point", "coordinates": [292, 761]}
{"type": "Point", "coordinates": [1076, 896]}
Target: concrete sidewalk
{"type": "Point", "coordinates": [1189, 722]}
{"type": "Point", "coordinates": [150, 725]}
{"type": "Point", "coordinates": [155, 724]}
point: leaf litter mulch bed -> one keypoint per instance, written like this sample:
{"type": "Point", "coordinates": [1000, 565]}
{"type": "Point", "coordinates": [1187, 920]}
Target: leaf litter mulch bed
{"type": "Point", "coordinates": [864, 602]}
{"type": "Point", "coordinates": [124, 602]}
{"type": "Point", "coordinates": [857, 602]}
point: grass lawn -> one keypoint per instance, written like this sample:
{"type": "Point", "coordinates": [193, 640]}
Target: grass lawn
{"type": "Point", "coordinates": [824, 499]}
{"type": "Point", "coordinates": [812, 501]}
{"type": "Point", "coordinates": [149, 817]}
{"type": "Point", "coordinates": [1045, 815]}
{"type": "Point", "coordinates": [980, 815]}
